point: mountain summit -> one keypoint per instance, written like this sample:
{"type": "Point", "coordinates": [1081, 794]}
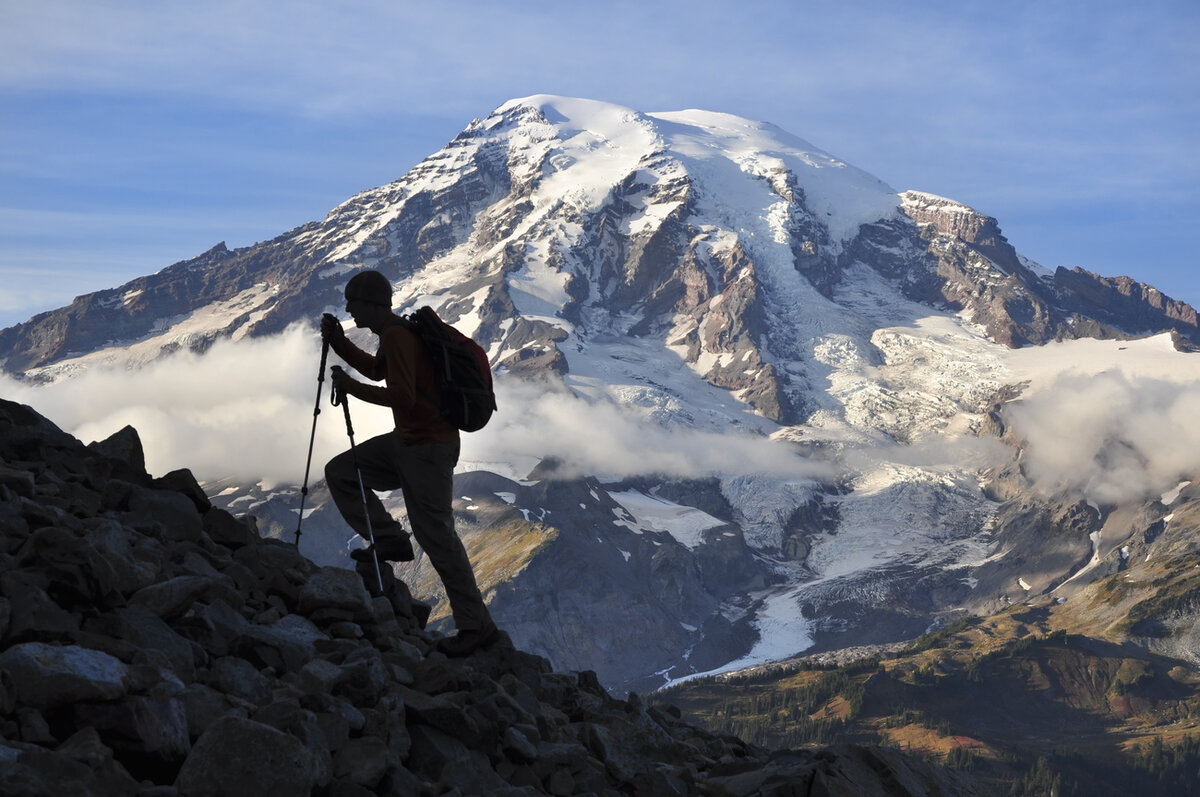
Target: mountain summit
{"type": "Point", "coordinates": [669, 279]}
{"type": "Point", "coordinates": [557, 218]}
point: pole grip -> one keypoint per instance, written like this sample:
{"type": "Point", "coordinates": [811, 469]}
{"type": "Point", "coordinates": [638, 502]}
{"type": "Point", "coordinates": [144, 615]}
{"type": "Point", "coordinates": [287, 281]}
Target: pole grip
{"type": "Point", "coordinates": [336, 398]}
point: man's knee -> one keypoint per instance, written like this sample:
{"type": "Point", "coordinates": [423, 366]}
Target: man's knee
{"type": "Point", "coordinates": [339, 469]}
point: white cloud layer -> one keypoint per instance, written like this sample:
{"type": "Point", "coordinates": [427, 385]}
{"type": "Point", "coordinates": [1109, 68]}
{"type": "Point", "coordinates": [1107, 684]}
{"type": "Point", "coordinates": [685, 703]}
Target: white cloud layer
{"type": "Point", "coordinates": [601, 438]}
{"type": "Point", "coordinates": [242, 410]}
{"type": "Point", "coordinates": [245, 410]}
{"type": "Point", "coordinates": [1109, 437]}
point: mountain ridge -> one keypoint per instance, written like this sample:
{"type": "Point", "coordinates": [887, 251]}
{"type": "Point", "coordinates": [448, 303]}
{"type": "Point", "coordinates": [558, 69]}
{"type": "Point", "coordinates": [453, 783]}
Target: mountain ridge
{"type": "Point", "coordinates": [288, 261]}
{"type": "Point", "coordinates": [671, 279]}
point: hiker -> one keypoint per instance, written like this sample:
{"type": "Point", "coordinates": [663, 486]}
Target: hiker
{"type": "Point", "coordinates": [418, 457]}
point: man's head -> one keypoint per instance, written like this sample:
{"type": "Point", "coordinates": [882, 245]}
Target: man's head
{"type": "Point", "coordinates": [369, 299]}
{"type": "Point", "coordinates": [371, 287]}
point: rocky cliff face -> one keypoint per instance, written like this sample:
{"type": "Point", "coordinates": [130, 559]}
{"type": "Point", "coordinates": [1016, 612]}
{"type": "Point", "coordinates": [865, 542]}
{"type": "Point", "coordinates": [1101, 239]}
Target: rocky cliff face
{"type": "Point", "coordinates": [956, 255]}
{"type": "Point", "coordinates": [152, 644]}
{"type": "Point", "coordinates": [1122, 300]}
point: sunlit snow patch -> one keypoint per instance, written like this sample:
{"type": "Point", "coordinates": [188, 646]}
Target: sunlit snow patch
{"type": "Point", "coordinates": [686, 524]}
{"type": "Point", "coordinates": [783, 632]}
{"type": "Point", "coordinates": [1168, 498]}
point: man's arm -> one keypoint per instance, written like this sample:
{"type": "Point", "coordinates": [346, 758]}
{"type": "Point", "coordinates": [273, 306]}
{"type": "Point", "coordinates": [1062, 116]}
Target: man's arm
{"type": "Point", "coordinates": [398, 352]}
{"type": "Point", "coordinates": [333, 334]}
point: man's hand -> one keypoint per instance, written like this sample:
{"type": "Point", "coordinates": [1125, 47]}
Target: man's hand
{"type": "Point", "coordinates": [331, 329]}
{"type": "Point", "coordinates": [341, 381]}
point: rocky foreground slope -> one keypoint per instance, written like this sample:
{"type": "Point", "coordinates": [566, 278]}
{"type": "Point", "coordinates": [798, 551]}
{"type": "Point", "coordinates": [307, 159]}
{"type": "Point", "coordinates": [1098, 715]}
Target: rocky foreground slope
{"type": "Point", "coordinates": [152, 644]}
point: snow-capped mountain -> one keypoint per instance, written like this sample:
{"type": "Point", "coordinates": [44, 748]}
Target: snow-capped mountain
{"type": "Point", "coordinates": [752, 398]}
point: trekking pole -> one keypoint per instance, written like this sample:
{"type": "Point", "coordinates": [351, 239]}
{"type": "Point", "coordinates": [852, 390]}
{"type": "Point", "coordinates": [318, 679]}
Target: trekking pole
{"type": "Point", "coordinates": [312, 437]}
{"type": "Point", "coordinates": [337, 398]}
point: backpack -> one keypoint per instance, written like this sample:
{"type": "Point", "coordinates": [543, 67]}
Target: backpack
{"type": "Point", "coordinates": [461, 369]}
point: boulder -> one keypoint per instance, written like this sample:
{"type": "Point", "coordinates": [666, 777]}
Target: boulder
{"type": "Point", "coordinates": [124, 447]}
{"type": "Point", "coordinates": [173, 597]}
{"type": "Point", "coordinates": [173, 513]}
{"type": "Point", "coordinates": [142, 726]}
{"type": "Point", "coordinates": [362, 761]}
{"type": "Point", "coordinates": [338, 589]}
{"type": "Point", "coordinates": [238, 677]}
{"type": "Point", "coordinates": [48, 676]}
{"type": "Point", "coordinates": [238, 757]}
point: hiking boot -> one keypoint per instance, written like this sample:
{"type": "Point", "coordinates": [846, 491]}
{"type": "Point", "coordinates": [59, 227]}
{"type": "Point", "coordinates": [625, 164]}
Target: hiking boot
{"type": "Point", "coordinates": [464, 643]}
{"type": "Point", "coordinates": [393, 548]}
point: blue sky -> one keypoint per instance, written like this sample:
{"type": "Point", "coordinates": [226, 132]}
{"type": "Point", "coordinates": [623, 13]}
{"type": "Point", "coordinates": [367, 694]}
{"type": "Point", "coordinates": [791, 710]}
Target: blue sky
{"type": "Point", "coordinates": [137, 134]}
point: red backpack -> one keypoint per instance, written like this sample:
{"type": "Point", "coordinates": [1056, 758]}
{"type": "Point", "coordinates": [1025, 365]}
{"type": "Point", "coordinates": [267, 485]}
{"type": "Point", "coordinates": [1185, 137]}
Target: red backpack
{"type": "Point", "coordinates": [465, 397]}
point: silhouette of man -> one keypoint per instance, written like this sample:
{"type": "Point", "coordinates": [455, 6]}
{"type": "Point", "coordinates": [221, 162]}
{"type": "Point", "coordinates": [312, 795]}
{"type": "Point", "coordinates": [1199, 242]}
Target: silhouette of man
{"type": "Point", "coordinates": [418, 457]}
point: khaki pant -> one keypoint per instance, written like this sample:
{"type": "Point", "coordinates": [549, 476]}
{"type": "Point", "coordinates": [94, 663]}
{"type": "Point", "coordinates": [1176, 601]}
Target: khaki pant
{"type": "Point", "coordinates": [425, 474]}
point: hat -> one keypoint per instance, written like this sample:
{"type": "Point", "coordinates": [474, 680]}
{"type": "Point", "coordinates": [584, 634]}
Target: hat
{"type": "Point", "coordinates": [370, 286]}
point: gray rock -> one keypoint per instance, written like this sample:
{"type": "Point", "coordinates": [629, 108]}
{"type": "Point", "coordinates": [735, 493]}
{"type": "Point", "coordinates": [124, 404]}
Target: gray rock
{"type": "Point", "coordinates": [363, 761]}
{"type": "Point", "coordinates": [336, 588]}
{"type": "Point", "coordinates": [203, 706]}
{"type": "Point", "coordinates": [70, 563]}
{"type": "Point", "coordinates": [363, 678]}
{"type": "Point", "coordinates": [32, 614]}
{"type": "Point", "coordinates": [125, 446]}
{"type": "Point", "coordinates": [288, 644]}
{"type": "Point", "coordinates": [48, 676]}
{"type": "Point", "coordinates": [182, 481]}
{"type": "Point", "coordinates": [112, 542]}
{"type": "Point", "coordinates": [171, 598]}
{"type": "Point", "coordinates": [224, 529]}
{"type": "Point", "coordinates": [173, 512]}
{"type": "Point", "coordinates": [238, 757]}
{"type": "Point", "coordinates": [319, 675]}
{"type": "Point", "coordinates": [518, 747]}
{"type": "Point", "coordinates": [19, 481]}
{"type": "Point", "coordinates": [86, 747]}
{"type": "Point", "coordinates": [443, 757]}
{"type": "Point", "coordinates": [45, 774]}
{"type": "Point", "coordinates": [150, 633]}
{"type": "Point", "coordinates": [436, 712]}
{"type": "Point", "coordinates": [149, 727]}
{"type": "Point", "coordinates": [32, 726]}
{"type": "Point", "coordinates": [215, 626]}
{"type": "Point", "coordinates": [238, 677]}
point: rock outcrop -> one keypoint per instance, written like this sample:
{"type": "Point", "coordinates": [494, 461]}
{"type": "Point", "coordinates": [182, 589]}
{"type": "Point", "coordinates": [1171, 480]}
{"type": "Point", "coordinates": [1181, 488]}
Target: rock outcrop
{"type": "Point", "coordinates": [153, 644]}
{"type": "Point", "coordinates": [1123, 300]}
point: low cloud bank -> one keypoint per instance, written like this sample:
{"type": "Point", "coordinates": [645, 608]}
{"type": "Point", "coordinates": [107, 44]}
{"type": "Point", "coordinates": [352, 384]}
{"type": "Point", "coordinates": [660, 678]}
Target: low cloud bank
{"type": "Point", "coordinates": [602, 438]}
{"type": "Point", "coordinates": [245, 410]}
{"type": "Point", "coordinates": [1108, 437]}
{"type": "Point", "coordinates": [242, 409]}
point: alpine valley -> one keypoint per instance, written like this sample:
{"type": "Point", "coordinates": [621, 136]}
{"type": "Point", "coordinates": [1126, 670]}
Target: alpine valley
{"type": "Point", "coordinates": [754, 404]}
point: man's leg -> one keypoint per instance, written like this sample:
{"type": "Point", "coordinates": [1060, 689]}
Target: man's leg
{"type": "Point", "coordinates": [377, 462]}
{"type": "Point", "coordinates": [427, 475]}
